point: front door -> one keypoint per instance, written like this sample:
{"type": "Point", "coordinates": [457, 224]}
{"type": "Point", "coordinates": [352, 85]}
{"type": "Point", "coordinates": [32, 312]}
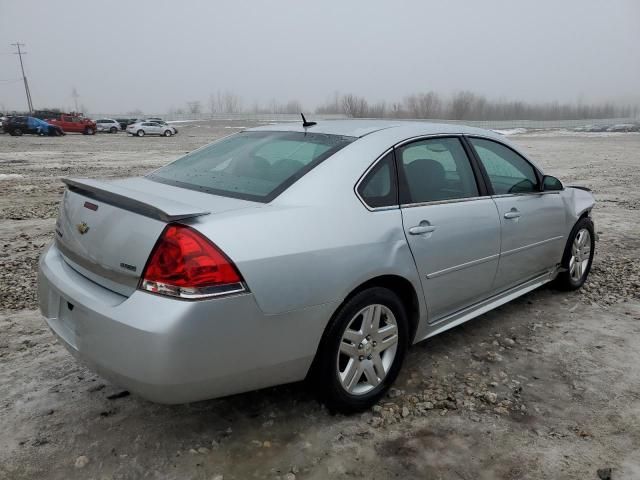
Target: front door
{"type": "Point", "coordinates": [452, 227]}
{"type": "Point", "coordinates": [532, 221]}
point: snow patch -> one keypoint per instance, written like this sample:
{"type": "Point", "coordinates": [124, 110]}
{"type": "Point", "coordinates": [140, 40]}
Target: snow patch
{"type": "Point", "coordinates": [511, 131]}
{"type": "Point", "coordinates": [7, 176]}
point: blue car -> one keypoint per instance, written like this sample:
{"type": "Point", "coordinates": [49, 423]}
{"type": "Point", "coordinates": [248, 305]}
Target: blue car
{"type": "Point", "coordinates": [17, 126]}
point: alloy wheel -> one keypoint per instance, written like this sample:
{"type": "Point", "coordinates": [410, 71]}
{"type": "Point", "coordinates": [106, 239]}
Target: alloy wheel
{"type": "Point", "coordinates": [580, 254]}
{"type": "Point", "coordinates": [367, 349]}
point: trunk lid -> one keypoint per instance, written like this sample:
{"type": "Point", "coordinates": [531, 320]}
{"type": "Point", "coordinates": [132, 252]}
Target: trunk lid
{"type": "Point", "coordinates": [107, 229]}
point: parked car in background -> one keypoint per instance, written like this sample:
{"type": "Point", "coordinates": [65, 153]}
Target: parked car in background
{"type": "Point", "coordinates": [141, 129]}
{"type": "Point", "coordinates": [304, 250]}
{"type": "Point", "coordinates": [165, 124]}
{"type": "Point", "coordinates": [73, 123]}
{"type": "Point", "coordinates": [124, 122]}
{"type": "Point", "coordinates": [107, 125]}
{"type": "Point", "coordinates": [21, 125]}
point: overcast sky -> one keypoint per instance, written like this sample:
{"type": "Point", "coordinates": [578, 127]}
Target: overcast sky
{"type": "Point", "coordinates": [153, 55]}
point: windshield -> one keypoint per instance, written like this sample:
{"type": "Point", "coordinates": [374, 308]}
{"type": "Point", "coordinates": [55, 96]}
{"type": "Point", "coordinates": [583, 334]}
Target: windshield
{"type": "Point", "coordinates": [251, 165]}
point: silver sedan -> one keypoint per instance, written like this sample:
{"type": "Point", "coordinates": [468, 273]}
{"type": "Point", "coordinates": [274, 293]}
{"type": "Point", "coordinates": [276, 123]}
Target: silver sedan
{"type": "Point", "coordinates": [291, 251]}
{"type": "Point", "coordinates": [140, 129]}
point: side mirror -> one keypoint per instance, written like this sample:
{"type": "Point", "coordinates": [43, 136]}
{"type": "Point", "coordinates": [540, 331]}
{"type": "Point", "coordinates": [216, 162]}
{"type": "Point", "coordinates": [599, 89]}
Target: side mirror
{"type": "Point", "coordinates": [550, 184]}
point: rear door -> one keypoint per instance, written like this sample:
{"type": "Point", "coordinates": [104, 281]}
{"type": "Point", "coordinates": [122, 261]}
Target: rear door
{"type": "Point", "coordinates": [151, 127]}
{"type": "Point", "coordinates": [450, 222]}
{"type": "Point", "coordinates": [531, 221]}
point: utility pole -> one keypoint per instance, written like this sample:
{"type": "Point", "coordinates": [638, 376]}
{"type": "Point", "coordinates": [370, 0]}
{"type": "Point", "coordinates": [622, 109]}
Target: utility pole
{"type": "Point", "coordinates": [24, 77]}
{"type": "Point", "coordinates": [74, 94]}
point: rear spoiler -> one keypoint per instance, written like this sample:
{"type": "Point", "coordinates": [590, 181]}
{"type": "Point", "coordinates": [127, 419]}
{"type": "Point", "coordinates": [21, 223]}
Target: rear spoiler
{"type": "Point", "coordinates": [146, 204]}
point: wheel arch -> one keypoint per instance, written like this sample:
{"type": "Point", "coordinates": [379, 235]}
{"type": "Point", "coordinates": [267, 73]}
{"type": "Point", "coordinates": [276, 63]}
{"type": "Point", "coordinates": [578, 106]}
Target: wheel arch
{"type": "Point", "coordinates": [584, 214]}
{"type": "Point", "coordinates": [399, 285]}
{"type": "Point", "coordinates": [404, 289]}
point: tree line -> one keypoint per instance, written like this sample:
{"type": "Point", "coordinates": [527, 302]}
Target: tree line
{"type": "Point", "coordinates": [463, 105]}
{"type": "Point", "coordinates": [466, 105]}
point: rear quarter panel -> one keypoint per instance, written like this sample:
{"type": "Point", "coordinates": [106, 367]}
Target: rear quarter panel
{"type": "Point", "coordinates": [297, 257]}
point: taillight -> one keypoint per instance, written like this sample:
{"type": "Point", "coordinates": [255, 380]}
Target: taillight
{"type": "Point", "coordinates": [186, 264]}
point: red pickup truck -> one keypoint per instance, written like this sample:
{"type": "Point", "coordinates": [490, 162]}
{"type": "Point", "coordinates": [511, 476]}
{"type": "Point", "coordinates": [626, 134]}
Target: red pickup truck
{"type": "Point", "coordinates": [70, 122]}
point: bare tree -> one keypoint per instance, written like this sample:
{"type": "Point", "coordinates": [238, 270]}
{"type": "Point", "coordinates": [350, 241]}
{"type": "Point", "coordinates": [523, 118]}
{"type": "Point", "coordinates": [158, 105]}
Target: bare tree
{"type": "Point", "coordinates": [423, 105]}
{"type": "Point", "coordinates": [354, 106]}
{"type": "Point", "coordinates": [377, 110]}
{"type": "Point", "coordinates": [194, 107]}
{"type": "Point", "coordinates": [231, 102]}
{"type": "Point", "coordinates": [292, 106]}
{"type": "Point", "coordinates": [461, 105]}
{"type": "Point", "coordinates": [214, 104]}
{"type": "Point", "coordinates": [332, 106]}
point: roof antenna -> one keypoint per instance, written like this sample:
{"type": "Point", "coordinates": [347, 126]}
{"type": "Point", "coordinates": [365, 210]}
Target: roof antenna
{"type": "Point", "coordinates": [306, 124]}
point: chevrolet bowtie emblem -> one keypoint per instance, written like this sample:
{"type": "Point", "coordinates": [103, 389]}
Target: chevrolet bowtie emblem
{"type": "Point", "coordinates": [82, 228]}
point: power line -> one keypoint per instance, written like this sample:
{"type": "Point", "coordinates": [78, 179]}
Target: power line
{"type": "Point", "coordinates": [24, 77]}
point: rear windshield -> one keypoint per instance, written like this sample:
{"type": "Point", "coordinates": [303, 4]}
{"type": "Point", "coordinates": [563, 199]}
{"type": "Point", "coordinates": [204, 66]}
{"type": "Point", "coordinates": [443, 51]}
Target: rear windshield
{"type": "Point", "coordinates": [251, 165]}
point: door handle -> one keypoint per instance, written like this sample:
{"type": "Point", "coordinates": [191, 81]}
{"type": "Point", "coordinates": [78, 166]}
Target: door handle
{"type": "Point", "coordinates": [424, 227]}
{"type": "Point", "coordinates": [513, 213]}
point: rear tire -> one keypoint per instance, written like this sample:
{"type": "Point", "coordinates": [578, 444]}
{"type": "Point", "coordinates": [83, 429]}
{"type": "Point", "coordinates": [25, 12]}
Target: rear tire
{"type": "Point", "coordinates": [355, 368]}
{"type": "Point", "coordinates": [17, 132]}
{"type": "Point", "coordinates": [140, 133]}
{"type": "Point", "coordinates": [578, 256]}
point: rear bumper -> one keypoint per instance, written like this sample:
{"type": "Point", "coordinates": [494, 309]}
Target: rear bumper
{"type": "Point", "coordinates": [174, 351]}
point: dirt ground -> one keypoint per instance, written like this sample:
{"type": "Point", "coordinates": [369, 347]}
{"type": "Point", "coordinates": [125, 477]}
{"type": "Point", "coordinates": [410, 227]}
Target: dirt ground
{"type": "Point", "coordinates": [547, 386]}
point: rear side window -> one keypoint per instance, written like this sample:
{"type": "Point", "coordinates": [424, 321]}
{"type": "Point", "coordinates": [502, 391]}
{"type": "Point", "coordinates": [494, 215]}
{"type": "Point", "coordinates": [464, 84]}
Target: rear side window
{"type": "Point", "coordinates": [251, 165]}
{"type": "Point", "coordinates": [508, 172]}
{"type": "Point", "coordinates": [379, 187]}
{"type": "Point", "coordinates": [434, 170]}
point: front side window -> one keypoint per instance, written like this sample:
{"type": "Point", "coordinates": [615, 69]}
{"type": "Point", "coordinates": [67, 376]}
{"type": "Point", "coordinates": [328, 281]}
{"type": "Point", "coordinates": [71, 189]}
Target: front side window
{"type": "Point", "coordinates": [251, 165]}
{"type": "Point", "coordinates": [379, 187]}
{"type": "Point", "coordinates": [508, 172]}
{"type": "Point", "coordinates": [434, 170]}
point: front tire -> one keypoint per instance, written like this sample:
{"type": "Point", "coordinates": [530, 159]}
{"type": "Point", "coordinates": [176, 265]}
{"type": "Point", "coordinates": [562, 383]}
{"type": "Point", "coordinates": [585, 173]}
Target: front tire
{"type": "Point", "coordinates": [113, 130]}
{"type": "Point", "coordinates": [362, 351]}
{"type": "Point", "coordinates": [89, 131]}
{"type": "Point", "coordinates": [167, 133]}
{"type": "Point", "coordinates": [140, 133]}
{"type": "Point", "coordinates": [578, 256]}
{"type": "Point", "coordinates": [17, 132]}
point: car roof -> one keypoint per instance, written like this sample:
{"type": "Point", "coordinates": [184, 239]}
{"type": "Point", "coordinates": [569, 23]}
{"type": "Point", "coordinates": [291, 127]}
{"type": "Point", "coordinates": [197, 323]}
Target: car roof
{"type": "Point", "coordinates": [361, 128]}
{"type": "Point", "coordinates": [390, 132]}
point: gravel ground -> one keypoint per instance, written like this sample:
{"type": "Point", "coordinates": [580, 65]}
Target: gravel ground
{"type": "Point", "coordinates": [547, 386]}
